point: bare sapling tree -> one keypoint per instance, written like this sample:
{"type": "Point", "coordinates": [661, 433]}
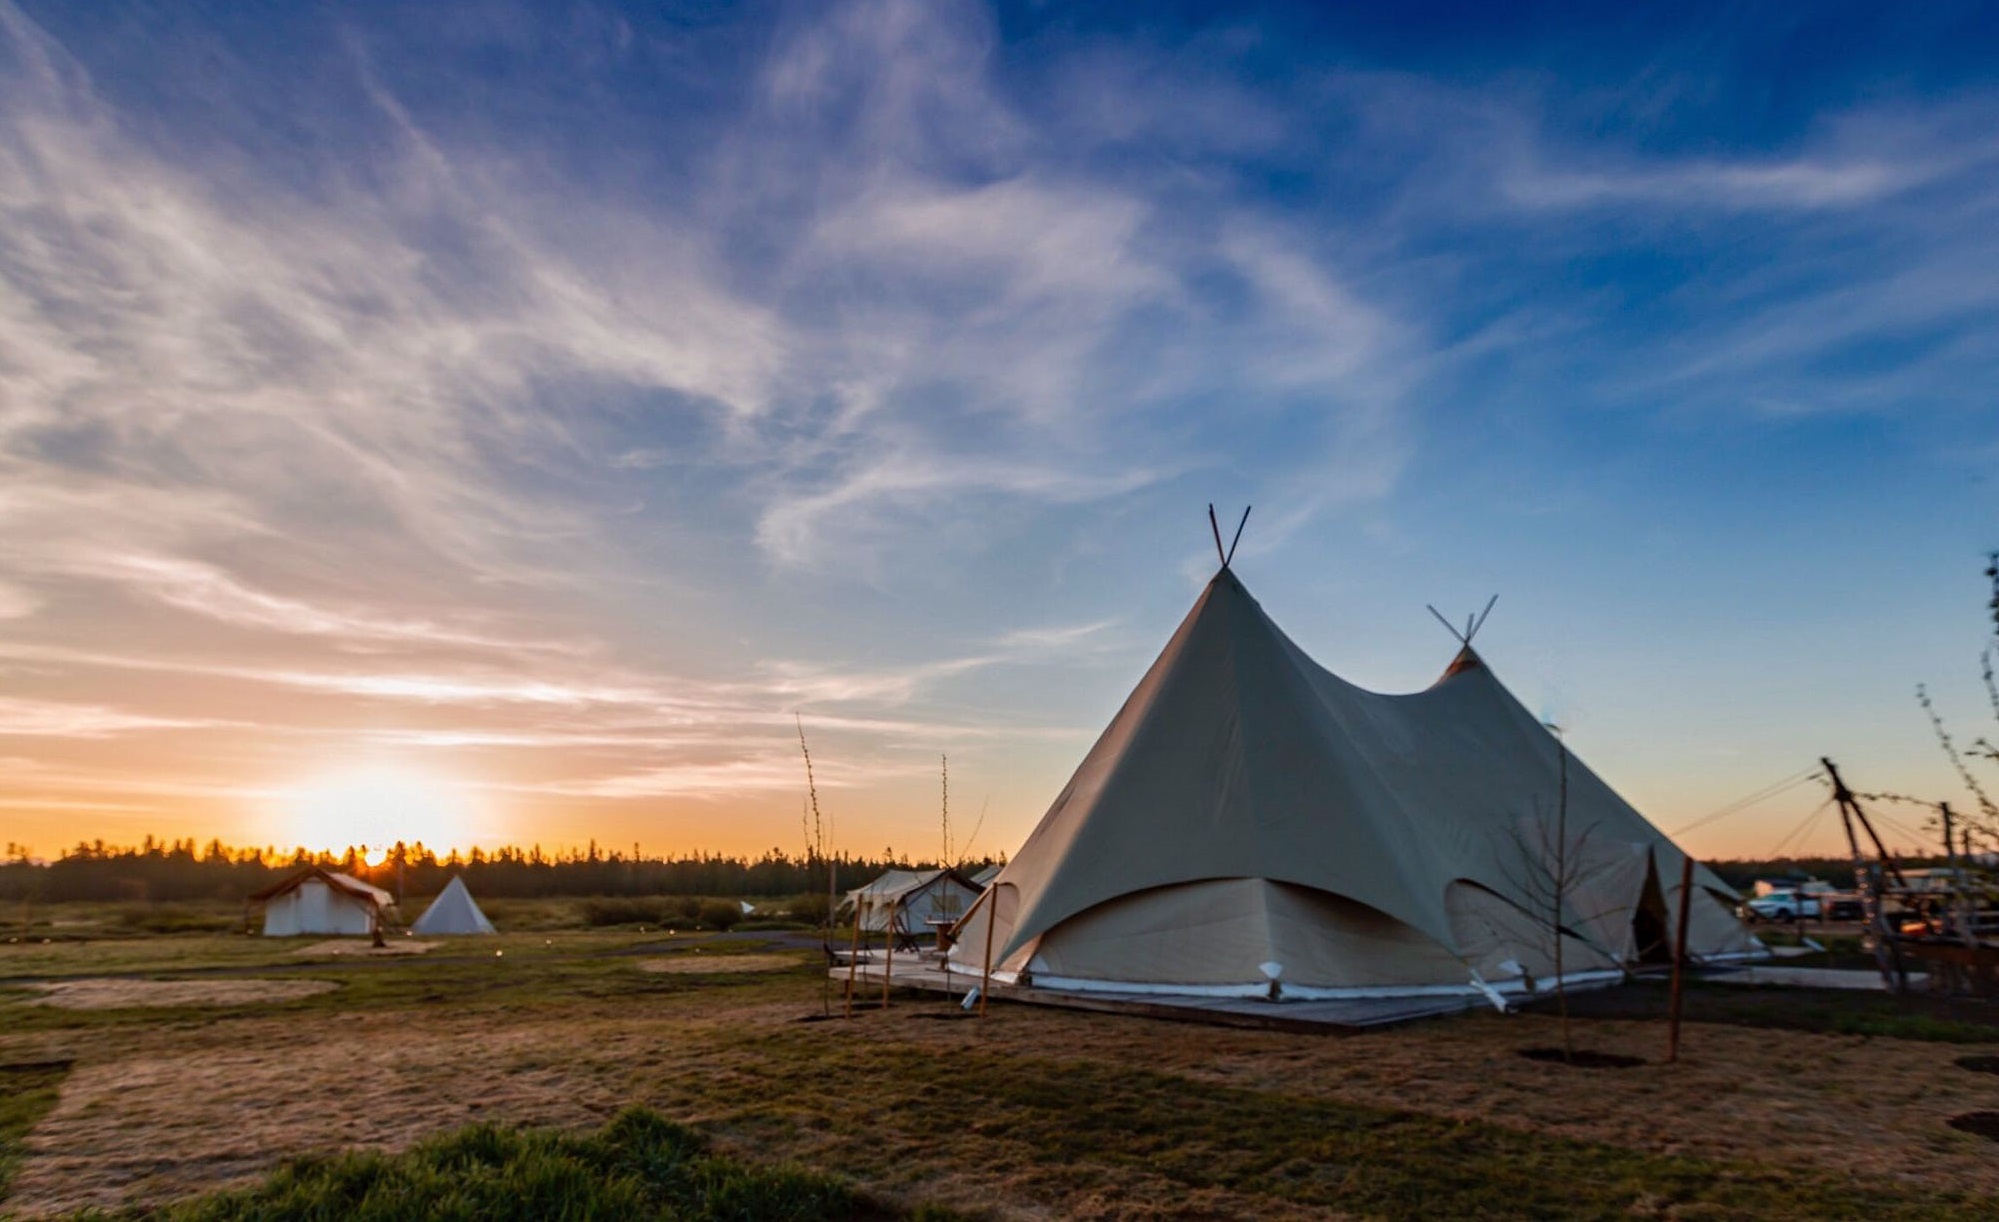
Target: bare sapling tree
{"type": "Point", "coordinates": [1985, 822]}
{"type": "Point", "coordinates": [1550, 873]}
{"type": "Point", "coordinates": [1962, 828]}
{"type": "Point", "coordinates": [818, 847]}
{"type": "Point", "coordinates": [945, 906]}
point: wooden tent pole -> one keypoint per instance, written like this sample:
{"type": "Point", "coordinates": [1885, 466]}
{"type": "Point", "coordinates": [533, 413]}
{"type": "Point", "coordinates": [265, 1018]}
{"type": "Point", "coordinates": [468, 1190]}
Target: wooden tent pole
{"type": "Point", "coordinates": [1679, 960]}
{"type": "Point", "coordinates": [1872, 881]}
{"type": "Point", "coordinates": [853, 957]}
{"type": "Point", "coordinates": [888, 959]}
{"type": "Point", "coordinates": [992, 918]}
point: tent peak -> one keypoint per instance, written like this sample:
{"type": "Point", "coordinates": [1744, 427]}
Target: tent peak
{"type": "Point", "coordinates": [1467, 659]}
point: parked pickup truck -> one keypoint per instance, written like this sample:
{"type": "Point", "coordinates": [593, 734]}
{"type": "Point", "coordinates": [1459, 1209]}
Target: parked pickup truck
{"type": "Point", "coordinates": [1781, 906]}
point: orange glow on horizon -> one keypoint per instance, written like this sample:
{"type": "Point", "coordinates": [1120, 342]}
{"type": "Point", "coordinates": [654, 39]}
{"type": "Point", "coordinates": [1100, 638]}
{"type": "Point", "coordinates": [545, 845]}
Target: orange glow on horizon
{"type": "Point", "coordinates": [376, 807]}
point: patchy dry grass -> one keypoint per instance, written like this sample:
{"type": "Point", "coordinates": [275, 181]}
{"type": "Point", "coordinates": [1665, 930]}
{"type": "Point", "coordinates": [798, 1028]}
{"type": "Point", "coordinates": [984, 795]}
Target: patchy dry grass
{"type": "Point", "coordinates": [695, 965]}
{"type": "Point", "coordinates": [169, 994]}
{"type": "Point", "coordinates": [364, 948]}
{"type": "Point", "coordinates": [1029, 1113]}
{"type": "Point", "coordinates": [27, 1092]}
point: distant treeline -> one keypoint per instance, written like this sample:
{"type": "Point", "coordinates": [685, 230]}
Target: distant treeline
{"type": "Point", "coordinates": [181, 870]}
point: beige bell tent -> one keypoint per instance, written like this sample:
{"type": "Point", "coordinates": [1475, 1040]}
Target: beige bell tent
{"type": "Point", "coordinates": [454, 911]}
{"type": "Point", "coordinates": [321, 901]}
{"type": "Point", "coordinates": [916, 900]}
{"type": "Point", "coordinates": [1250, 824]}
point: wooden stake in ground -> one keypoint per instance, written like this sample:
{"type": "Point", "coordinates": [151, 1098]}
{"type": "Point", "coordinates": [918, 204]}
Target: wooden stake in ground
{"type": "Point", "coordinates": [853, 956]}
{"type": "Point", "coordinates": [1561, 881]}
{"type": "Point", "coordinates": [888, 956]}
{"type": "Point", "coordinates": [1679, 961]}
{"type": "Point", "coordinates": [986, 977]}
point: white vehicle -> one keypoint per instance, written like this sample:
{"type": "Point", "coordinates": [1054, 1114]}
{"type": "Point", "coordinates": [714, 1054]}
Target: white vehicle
{"type": "Point", "coordinates": [1781, 906]}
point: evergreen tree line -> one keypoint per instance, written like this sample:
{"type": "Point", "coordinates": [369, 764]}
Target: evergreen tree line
{"type": "Point", "coordinates": [180, 870]}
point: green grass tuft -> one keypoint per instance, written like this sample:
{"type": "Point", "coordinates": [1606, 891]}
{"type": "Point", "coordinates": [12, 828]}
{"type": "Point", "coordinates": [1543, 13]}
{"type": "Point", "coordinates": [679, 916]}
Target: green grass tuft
{"type": "Point", "coordinates": [638, 1166]}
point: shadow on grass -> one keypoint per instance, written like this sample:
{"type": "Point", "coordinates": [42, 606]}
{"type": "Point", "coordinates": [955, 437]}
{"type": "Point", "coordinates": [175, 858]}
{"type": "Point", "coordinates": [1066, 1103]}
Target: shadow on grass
{"type": "Point", "coordinates": [1782, 1007]}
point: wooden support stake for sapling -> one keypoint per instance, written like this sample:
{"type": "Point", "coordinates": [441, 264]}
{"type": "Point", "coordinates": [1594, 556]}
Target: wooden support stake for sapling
{"type": "Point", "coordinates": [853, 956]}
{"type": "Point", "coordinates": [992, 918]}
{"type": "Point", "coordinates": [1679, 961]}
{"type": "Point", "coordinates": [888, 956]}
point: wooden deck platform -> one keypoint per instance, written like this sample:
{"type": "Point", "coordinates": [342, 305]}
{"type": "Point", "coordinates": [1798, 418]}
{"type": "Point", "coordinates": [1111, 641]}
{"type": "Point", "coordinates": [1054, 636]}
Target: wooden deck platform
{"type": "Point", "coordinates": [1346, 1016]}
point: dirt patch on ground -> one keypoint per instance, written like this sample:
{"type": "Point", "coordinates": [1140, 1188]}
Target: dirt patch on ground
{"type": "Point", "coordinates": [354, 946]}
{"type": "Point", "coordinates": [707, 964]}
{"type": "Point", "coordinates": [149, 994]}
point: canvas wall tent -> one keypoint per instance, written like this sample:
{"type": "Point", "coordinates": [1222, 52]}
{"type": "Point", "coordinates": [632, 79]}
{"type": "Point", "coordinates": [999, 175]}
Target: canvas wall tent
{"type": "Point", "coordinates": [320, 901]}
{"type": "Point", "coordinates": [1251, 824]}
{"type": "Point", "coordinates": [915, 898]}
{"type": "Point", "coordinates": [987, 875]}
{"type": "Point", "coordinates": [454, 911]}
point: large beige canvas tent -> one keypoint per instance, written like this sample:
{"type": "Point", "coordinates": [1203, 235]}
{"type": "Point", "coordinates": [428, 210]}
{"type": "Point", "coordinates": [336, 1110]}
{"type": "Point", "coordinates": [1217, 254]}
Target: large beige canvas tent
{"type": "Point", "coordinates": [1250, 824]}
{"type": "Point", "coordinates": [916, 900]}
{"type": "Point", "coordinates": [454, 911]}
{"type": "Point", "coordinates": [321, 901]}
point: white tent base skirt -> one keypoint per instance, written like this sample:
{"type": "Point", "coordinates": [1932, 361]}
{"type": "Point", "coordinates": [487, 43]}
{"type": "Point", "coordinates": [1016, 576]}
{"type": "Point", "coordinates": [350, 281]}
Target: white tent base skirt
{"type": "Point", "coordinates": [1263, 991]}
{"type": "Point", "coordinates": [1326, 1011]}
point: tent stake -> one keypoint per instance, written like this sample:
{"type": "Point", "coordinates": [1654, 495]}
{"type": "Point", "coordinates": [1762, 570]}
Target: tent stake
{"type": "Point", "coordinates": [853, 957]}
{"type": "Point", "coordinates": [888, 957]}
{"type": "Point", "coordinates": [986, 977]}
{"type": "Point", "coordinates": [1679, 960]}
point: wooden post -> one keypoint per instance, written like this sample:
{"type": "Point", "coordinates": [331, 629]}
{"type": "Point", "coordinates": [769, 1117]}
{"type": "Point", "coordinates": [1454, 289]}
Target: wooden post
{"type": "Point", "coordinates": [1679, 961]}
{"type": "Point", "coordinates": [1872, 881]}
{"type": "Point", "coordinates": [992, 919]}
{"type": "Point", "coordinates": [853, 957]}
{"type": "Point", "coordinates": [1961, 906]}
{"type": "Point", "coordinates": [888, 957]}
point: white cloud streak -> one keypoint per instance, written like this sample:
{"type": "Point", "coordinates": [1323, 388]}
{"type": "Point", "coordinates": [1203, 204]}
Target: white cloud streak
{"type": "Point", "coordinates": [390, 429]}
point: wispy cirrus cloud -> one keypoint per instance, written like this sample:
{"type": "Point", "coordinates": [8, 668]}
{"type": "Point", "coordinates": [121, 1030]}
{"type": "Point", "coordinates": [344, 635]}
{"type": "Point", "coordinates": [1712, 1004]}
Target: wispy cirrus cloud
{"type": "Point", "coordinates": [614, 415]}
{"type": "Point", "coordinates": [58, 719]}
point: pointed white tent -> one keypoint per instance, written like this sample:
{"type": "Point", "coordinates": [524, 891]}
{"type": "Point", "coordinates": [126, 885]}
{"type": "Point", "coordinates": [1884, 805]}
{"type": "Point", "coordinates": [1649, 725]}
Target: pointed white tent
{"type": "Point", "coordinates": [453, 912]}
{"type": "Point", "coordinates": [1251, 824]}
{"type": "Point", "coordinates": [914, 899]}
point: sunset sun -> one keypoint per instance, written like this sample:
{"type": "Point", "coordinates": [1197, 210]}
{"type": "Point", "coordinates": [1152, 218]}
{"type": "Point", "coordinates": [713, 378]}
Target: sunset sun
{"type": "Point", "coordinates": [377, 807]}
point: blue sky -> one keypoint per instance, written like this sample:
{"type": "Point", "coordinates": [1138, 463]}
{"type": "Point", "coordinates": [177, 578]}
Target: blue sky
{"type": "Point", "coordinates": [537, 405]}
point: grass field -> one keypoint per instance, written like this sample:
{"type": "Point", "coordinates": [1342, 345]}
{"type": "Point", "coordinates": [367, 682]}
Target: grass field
{"type": "Point", "coordinates": [1798, 1105]}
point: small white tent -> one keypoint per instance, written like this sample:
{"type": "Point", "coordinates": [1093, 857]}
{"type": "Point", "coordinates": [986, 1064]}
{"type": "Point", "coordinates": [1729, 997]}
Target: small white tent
{"type": "Point", "coordinates": [454, 911]}
{"type": "Point", "coordinates": [1250, 824]}
{"type": "Point", "coordinates": [917, 900]}
{"type": "Point", "coordinates": [321, 901]}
